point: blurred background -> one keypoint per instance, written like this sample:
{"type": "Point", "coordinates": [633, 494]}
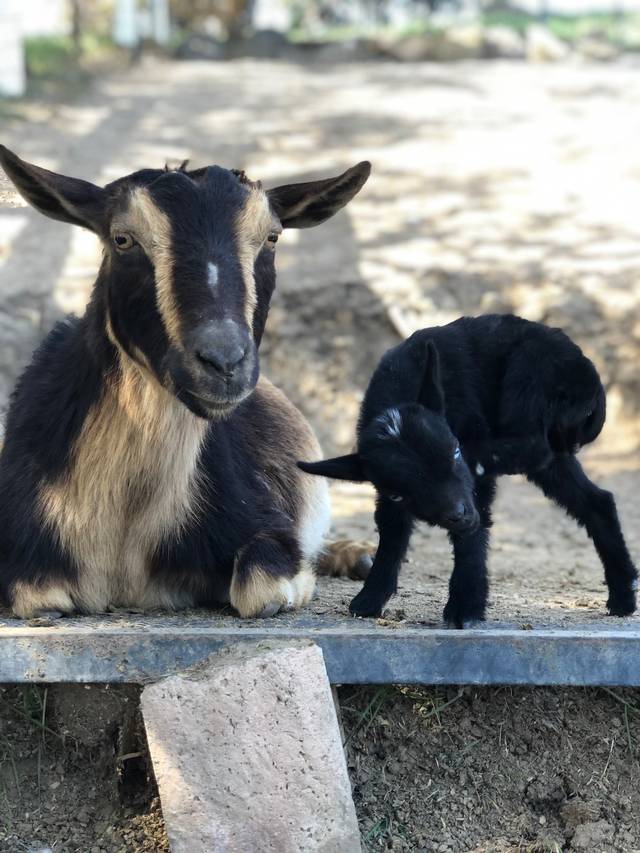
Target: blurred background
{"type": "Point", "coordinates": [503, 136]}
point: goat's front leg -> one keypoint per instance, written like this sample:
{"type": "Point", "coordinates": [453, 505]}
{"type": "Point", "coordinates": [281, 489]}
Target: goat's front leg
{"type": "Point", "coordinates": [565, 482]}
{"type": "Point", "coordinates": [270, 575]}
{"type": "Point", "coordinates": [469, 586]}
{"type": "Point", "coordinates": [394, 527]}
{"type": "Point", "coordinates": [511, 455]}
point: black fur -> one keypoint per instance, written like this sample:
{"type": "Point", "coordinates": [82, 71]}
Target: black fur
{"type": "Point", "coordinates": [520, 397]}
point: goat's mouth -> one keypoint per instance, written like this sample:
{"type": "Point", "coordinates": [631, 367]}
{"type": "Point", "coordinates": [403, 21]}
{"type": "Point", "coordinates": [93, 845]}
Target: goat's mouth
{"type": "Point", "coordinates": [207, 397]}
{"type": "Point", "coordinates": [216, 406]}
{"type": "Point", "coordinates": [469, 523]}
{"type": "Point", "coordinates": [466, 525]}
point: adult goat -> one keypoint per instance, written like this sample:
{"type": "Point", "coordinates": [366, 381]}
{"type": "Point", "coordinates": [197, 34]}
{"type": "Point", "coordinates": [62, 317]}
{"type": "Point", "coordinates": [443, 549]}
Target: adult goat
{"type": "Point", "coordinates": [145, 465]}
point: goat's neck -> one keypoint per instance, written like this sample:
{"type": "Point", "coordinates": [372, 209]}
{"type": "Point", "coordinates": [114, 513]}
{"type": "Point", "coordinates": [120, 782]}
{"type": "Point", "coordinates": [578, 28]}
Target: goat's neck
{"type": "Point", "coordinates": [136, 423]}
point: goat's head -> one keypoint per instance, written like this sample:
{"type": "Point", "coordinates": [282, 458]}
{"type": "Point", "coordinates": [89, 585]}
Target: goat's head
{"type": "Point", "coordinates": [188, 267]}
{"type": "Point", "coordinates": [410, 454]}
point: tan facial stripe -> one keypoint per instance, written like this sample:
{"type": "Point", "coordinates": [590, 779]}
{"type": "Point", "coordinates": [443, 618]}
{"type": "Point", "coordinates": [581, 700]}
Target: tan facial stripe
{"type": "Point", "coordinates": [154, 230]}
{"type": "Point", "coordinates": [251, 226]}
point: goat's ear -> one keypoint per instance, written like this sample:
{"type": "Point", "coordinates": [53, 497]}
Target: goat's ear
{"type": "Point", "coordinates": [307, 204]}
{"type": "Point", "coordinates": [431, 392]}
{"type": "Point", "coordinates": [67, 199]}
{"type": "Point", "coordinates": [339, 468]}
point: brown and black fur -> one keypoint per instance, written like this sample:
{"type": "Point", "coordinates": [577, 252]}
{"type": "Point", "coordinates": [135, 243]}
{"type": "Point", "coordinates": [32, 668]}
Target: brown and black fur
{"type": "Point", "coordinates": [145, 463]}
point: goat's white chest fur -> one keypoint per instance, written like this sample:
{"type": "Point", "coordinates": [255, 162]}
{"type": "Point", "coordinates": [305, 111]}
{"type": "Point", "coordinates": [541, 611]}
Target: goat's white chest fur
{"type": "Point", "coordinates": [132, 481]}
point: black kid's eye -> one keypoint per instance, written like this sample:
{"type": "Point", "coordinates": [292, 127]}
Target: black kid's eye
{"type": "Point", "coordinates": [395, 498]}
{"type": "Point", "coordinates": [123, 241]}
{"type": "Point", "coordinates": [272, 238]}
{"type": "Point", "coordinates": [457, 453]}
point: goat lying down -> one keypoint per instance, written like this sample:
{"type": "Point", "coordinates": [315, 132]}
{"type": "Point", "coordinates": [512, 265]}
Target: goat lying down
{"type": "Point", "coordinates": [145, 465]}
{"type": "Point", "coordinates": [450, 410]}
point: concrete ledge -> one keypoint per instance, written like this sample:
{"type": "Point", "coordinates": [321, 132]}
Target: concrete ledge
{"type": "Point", "coordinates": [141, 649]}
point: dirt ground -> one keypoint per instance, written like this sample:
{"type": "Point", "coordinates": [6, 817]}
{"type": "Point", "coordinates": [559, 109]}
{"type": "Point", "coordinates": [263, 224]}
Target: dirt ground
{"type": "Point", "coordinates": [74, 774]}
{"type": "Point", "coordinates": [495, 186]}
{"type": "Point", "coordinates": [502, 770]}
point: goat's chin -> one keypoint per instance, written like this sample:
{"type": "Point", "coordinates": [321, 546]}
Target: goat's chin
{"type": "Point", "coordinates": [211, 408]}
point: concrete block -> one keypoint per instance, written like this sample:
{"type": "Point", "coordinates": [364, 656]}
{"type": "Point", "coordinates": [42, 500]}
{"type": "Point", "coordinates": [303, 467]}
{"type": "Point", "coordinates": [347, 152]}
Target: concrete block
{"type": "Point", "coordinates": [248, 756]}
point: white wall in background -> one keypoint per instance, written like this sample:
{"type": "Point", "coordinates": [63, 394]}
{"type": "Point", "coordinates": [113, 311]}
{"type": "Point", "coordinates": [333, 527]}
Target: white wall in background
{"type": "Point", "coordinates": [20, 18]}
{"type": "Point", "coordinates": [13, 78]}
{"type": "Point", "coordinates": [39, 17]}
{"type": "Point", "coordinates": [272, 15]}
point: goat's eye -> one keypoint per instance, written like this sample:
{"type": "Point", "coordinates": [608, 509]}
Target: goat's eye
{"type": "Point", "coordinates": [457, 453]}
{"type": "Point", "coordinates": [395, 498]}
{"type": "Point", "coordinates": [123, 241]}
{"type": "Point", "coordinates": [272, 238]}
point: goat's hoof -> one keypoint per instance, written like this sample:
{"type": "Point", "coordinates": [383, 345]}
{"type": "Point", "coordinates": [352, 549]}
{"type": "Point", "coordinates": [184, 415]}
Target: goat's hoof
{"type": "Point", "coordinates": [622, 604]}
{"type": "Point", "coordinates": [362, 567]}
{"type": "Point", "coordinates": [455, 616]}
{"type": "Point", "coordinates": [466, 623]}
{"type": "Point", "coordinates": [365, 605]}
{"type": "Point", "coordinates": [270, 609]}
{"type": "Point", "coordinates": [346, 559]}
{"type": "Point", "coordinates": [45, 617]}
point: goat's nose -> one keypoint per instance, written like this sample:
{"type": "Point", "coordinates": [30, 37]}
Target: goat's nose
{"type": "Point", "coordinates": [456, 513]}
{"type": "Point", "coordinates": [222, 359]}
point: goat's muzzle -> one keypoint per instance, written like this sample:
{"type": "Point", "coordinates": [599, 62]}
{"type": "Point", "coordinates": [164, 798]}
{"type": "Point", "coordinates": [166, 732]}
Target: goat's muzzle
{"type": "Point", "coordinates": [222, 367]}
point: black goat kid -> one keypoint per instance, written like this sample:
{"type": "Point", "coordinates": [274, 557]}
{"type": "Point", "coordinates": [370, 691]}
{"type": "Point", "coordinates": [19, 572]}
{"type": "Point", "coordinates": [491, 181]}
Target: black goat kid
{"type": "Point", "coordinates": [144, 463]}
{"type": "Point", "coordinates": [519, 397]}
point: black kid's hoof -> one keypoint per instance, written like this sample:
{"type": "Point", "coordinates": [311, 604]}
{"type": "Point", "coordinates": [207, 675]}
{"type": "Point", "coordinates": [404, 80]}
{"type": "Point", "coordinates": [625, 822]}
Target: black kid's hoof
{"type": "Point", "coordinates": [456, 616]}
{"type": "Point", "coordinates": [622, 603]}
{"type": "Point", "coordinates": [366, 605]}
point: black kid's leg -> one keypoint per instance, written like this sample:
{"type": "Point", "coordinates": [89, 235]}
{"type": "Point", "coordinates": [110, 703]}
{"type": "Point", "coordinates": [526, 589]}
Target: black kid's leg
{"type": "Point", "coordinates": [394, 527]}
{"type": "Point", "coordinates": [565, 482]}
{"type": "Point", "coordinates": [469, 587]}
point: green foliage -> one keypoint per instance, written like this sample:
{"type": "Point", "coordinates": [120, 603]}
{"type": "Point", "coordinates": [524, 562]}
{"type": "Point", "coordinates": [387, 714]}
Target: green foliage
{"type": "Point", "coordinates": [48, 55]}
{"type": "Point", "coordinates": [510, 18]}
{"type": "Point", "coordinates": [56, 56]}
{"type": "Point", "coordinates": [620, 29]}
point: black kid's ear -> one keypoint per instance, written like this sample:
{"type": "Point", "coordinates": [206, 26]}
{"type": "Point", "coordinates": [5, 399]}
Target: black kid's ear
{"type": "Point", "coordinates": [67, 199]}
{"type": "Point", "coordinates": [431, 393]}
{"type": "Point", "coordinates": [340, 468]}
{"type": "Point", "coordinates": [307, 204]}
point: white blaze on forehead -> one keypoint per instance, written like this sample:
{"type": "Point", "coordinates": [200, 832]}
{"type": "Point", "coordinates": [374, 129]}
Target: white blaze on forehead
{"type": "Point", "coordinates": [212, 273]}
{"type": "Point", "coordinates": [391, 423]}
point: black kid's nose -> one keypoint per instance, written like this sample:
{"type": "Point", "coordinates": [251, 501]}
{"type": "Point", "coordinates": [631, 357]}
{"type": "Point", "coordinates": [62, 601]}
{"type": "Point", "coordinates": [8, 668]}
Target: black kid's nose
{"type": "Point", "coordinates": [456, 514]}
